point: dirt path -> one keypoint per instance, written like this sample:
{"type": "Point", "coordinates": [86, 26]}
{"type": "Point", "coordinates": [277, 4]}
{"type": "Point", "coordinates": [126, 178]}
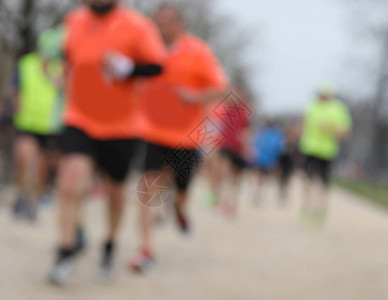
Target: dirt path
{"type": "Point", "coordinates": [267, 253]}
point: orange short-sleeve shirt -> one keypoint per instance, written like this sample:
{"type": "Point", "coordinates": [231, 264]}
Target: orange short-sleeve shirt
{"type": "Point", "coordinates": [105, 109]}
{"type": "Point", "coordinates": [165, 119]}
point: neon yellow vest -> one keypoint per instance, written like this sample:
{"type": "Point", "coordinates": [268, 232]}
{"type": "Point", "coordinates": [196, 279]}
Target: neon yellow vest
{"type": "Point", "coordinates": [315, 141]}
{"type": "Point", "coordinates": [39, 98]}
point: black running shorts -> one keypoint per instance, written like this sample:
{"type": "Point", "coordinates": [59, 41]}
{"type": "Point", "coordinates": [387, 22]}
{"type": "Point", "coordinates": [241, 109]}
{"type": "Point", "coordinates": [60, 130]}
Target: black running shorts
{"type": "Point", "coordinates": [317, 168]}
{"type": "Point", "coordinates": [183, 163]}
{"type": "Point", "coordinates": [49, 143]}
{"type": "Point", "coordinates": [111, 156]}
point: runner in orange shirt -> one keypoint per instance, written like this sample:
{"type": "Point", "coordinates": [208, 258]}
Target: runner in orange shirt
{"type": "Point", "coordinates": [106, 48]}
{"type": "Point", "coordinates": [172, 120]}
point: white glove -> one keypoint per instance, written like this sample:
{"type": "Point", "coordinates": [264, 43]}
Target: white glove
{"type": "Point", "coordinates": [118, 66]}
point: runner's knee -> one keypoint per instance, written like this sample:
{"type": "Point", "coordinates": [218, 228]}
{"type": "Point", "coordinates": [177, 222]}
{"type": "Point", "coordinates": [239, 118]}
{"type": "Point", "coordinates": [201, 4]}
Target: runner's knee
{"type": "Point", "coordinates": [74, 176]}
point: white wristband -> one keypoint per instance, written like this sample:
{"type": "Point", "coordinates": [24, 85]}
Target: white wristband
{"type": "Point", "coordinates": [122, 66]}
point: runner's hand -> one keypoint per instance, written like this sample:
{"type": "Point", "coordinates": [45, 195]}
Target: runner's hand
{"type": "Point", "coordinates": [328, 128]}
{"type": "Point", "coordinates": [117, 66]}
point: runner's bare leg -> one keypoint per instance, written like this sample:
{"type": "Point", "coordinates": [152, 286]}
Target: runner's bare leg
{"type": "Point", "coordinates": [74, 180]}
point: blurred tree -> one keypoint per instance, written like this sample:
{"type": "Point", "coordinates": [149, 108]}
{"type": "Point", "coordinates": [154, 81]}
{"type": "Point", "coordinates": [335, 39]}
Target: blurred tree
{"type": "Point", "coordinates": [20, 23]}
{"type": "Point", "coordinates": [22, 20]}
{"type": "Point", "coordinates": [369, 24]}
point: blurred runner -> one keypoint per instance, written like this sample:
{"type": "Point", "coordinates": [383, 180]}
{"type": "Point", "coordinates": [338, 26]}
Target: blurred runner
{"type": "Point", "coordinates": [268, 146]}
{"type": "Point", "coordinates": [327, 121]}
{"type": "Point", "coordinates": [106, 47]}
{"type": "Point", "coordinates": [173, 107]}
{"type": "Point", "coordinates": [236, 132]}
{"type": "Point", "coordinates": [38, 94]}
{"type": "Point", "coordinates": [210, 169]}
{"type": "Point", "coordinates": [287, 160]}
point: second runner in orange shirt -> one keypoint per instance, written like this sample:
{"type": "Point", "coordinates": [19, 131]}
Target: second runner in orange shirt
{"type": "Point", "coordinates": [172, 110]}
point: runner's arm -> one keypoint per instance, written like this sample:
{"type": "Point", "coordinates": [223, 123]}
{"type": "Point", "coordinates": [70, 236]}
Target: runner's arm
{"type": "Point", "coordinates": [211, 76]}
{"type": "Point", "coordinates": [146, 70]}
{"type": "Point", "coordinates": [119, 67]}
{"type": "Point", "coordinates": [202, 96]}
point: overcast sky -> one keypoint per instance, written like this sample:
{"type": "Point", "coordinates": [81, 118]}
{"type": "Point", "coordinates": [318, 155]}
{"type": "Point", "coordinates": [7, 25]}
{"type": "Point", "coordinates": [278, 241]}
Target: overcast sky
{"type": "Point", "coordinates": [299, 44]}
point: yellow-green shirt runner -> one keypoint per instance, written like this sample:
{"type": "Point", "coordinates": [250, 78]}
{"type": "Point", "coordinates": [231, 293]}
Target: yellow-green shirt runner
{"type": "Point", "coordinates": [322, 118]}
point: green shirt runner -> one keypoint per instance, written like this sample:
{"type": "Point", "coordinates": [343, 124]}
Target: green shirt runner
{"type": "Point", "coordinates": [322, 118]}
{"type": "Point", "coordinates": [40, 101]}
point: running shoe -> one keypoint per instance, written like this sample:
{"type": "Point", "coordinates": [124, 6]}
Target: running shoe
{"type": "Point", "coordinates": [45, 200]}
{"type": "Point", "coordinates": [23, 209]}
{"type": "Point", "coordinates": [63, 269]}
{"type": "Point", "coordinates": [182, 221]}
{"type": "Point", "coordinates": [30, 212]}
{"type": "Point", "coordinates": [142, 261]}
{"type": "Point", "coordinates": [210, 199]}
{"type": "Point", "coordinates": [19, 206]}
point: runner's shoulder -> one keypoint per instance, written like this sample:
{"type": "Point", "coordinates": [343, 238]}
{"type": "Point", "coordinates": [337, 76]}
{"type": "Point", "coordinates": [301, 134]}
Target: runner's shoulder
{"type": "Point", "coordinates": [197, 45]}
{"type": "Point", "coordinates": [339, 105]}
{"type": "Point", "coordinates": [28, 56]}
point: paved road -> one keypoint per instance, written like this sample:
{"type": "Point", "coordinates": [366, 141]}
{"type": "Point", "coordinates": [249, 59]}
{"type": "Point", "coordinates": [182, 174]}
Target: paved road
{"type": "Point", "coordinates": [267, 253]}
